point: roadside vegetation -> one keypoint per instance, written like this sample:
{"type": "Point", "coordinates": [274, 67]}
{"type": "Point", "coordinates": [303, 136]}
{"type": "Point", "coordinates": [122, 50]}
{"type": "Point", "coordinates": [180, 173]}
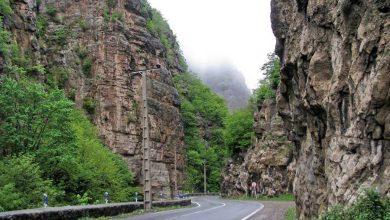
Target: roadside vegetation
{"type": "Point", "coordinates": [283, 197]}
{"type": "Point", "coordinates": [290, 214]}
{"type": "Point", "coordinates": [369, 206]}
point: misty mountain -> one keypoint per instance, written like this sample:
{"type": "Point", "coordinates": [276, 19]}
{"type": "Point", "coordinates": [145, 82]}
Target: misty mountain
{"type": "Point", "coordinates": [226, 81]}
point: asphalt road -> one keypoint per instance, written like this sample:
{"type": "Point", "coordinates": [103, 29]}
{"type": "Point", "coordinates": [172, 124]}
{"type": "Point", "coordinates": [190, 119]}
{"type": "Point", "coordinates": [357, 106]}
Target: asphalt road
{"type": "Point", "coordinates": [208, 208]}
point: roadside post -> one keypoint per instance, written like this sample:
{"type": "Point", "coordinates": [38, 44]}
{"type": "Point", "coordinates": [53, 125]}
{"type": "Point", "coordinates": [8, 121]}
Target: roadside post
{"type": "Point", "coordinates": [136, 196]}
{"type": "Point", "coordinates": [106, 197]}
{"type": "Point", "coordinates": [45, 200]}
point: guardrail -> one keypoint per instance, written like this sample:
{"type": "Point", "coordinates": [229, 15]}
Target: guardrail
{"type": "Point", "coordinates": [202, 194]}
{"type": "Point", "coordinates": [75, 212]}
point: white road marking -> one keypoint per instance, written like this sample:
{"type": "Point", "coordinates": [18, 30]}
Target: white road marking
{"type": "Point", "coordinates": [206, 210]}
{"type": "Point", "coordinates": [253, 213]}
{"type": "Point", "coordinates": [196, 204]}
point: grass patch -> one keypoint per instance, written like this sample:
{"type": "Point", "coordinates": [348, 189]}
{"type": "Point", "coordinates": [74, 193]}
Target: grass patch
{"type": "Point", "coordinates": [290, 214]}
{"type": "Point", "coordinates": [284, 197]}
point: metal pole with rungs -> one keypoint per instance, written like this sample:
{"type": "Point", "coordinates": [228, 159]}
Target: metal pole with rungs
{"type": "Point", "coordinates": [145, 140]}
{"type": "Point", "coordinates": [146, 149]}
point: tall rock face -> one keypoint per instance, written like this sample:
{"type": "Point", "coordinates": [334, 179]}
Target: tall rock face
{"type": "Point", "coordinates": [334, 97]}
{"type": "Point", "coordinates": [92, 48]}
{"type": "Point", "coordinates": [269, 162]}
{"type": "Point", "coordinates": [227, 82]}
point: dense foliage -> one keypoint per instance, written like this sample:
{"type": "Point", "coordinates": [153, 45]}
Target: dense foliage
{"type": "Point", "coordinates": [239, 124]}
{"type": "Point", "coordinates": [46, 145]}
{"type": "Point", "coordinates": [239, 131]}
{"type": "Point", "coordinates": [369, 206]}
{"type": "Point", "coordinates": [203, 115]}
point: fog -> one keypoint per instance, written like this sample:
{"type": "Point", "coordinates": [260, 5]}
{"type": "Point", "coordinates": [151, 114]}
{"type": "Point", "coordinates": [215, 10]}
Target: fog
{"type": "Point", "coordinates": [222, 31]}
{"type": "Point", "coordinates": [226, 81]}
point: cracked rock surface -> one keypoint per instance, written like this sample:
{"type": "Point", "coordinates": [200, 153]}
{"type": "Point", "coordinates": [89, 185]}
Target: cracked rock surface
{"type": "Point", "coordinates": [334, 97]}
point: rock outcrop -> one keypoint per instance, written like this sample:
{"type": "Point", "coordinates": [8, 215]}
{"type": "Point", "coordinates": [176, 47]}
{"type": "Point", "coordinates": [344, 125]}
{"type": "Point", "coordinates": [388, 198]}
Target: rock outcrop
{"type": "Point", "coordinates": [97, 45]}
{"type": "Point", "coordinates": [334, 97]}
{"type": "Point", "coordinates": [268, 162]}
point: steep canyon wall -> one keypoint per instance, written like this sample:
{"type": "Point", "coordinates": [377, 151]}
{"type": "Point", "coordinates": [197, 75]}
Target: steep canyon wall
{"type": "Point", "coordinates": [334, 97]}
{"type": "Point", "coordinates": [97, 45]}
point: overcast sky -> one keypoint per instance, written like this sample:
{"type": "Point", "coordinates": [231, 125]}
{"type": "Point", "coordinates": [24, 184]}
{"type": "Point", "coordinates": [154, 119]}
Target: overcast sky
{"type": "Point", "coordinates": [217, 31]}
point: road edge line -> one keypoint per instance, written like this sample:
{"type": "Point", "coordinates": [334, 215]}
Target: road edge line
{"type": "Point", "coordinates": [253, 213]}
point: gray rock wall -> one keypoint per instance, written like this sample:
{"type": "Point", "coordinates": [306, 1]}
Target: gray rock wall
{"type": "Point", "coordinates": [334, 97]}
{"type": "Point", "coordinates": [269, 162]}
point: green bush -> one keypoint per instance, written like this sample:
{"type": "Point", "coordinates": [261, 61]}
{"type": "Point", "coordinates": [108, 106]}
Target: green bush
{"type": "Point", "coordinates": [87, 66]}
{"type": "Point", "coordinates": [21, 184]}
{"type": "Point", "coordinates": [369, 206]}
{"type": "Point", "coordinates": [5, 8]}
{"type": "Point", "coordinates": [51, 11]}
{"type": "Point", "coordinates": [83, 24]}
{"type": "Point", "coordinates": [82, 52]}
{"type": "Point", "coordinates": [42, 25]}
{"type": "Point", "coordinates": [117, 16]}
{"type": "Point", "coordinates": [89, 105]}
{"type": "Point", "coordinates": [58, 76]}
{"type": "Point", "coordinates": [60, 36]}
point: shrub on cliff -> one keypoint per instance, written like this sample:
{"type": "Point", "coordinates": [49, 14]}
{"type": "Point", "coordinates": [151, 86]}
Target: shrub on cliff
{"type": "Point", "coordinates": [369, 206]}
{"type": "Point", "coordinates": [268, 85]}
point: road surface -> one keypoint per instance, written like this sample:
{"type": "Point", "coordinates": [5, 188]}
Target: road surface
{"type": "Point", "coordinates": [208, 208]}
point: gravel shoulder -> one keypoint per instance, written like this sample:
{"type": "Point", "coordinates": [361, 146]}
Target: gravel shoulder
{"type": "Point", "coordinates": [273, 210]}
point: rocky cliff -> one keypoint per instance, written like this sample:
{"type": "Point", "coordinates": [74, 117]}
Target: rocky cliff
{"type": "Point", "coordinates": [91, 48]}
{"type": "Point", "coordinates": [334, 97]}
{"type": "Point", "coordinates": [268, 162]}
{"type": "Point", "coordinates": [227, 82]}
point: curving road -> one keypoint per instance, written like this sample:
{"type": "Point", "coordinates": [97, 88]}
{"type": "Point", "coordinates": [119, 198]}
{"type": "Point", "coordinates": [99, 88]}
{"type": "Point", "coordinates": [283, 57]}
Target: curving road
{"type": "Point", "coordinates": [208, 208]}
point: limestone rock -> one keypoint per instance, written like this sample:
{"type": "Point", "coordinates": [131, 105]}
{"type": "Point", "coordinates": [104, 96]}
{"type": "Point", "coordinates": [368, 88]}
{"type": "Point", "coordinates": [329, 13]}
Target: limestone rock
{"type": "Point", "coordinates": [334, 97]}
{"type": "Point", "coordinates": [268, 162]}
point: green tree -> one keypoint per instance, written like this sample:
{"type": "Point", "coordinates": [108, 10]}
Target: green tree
{"type": "Point", "coordinates": [239, 130]}
{"type": "Point", "coordinates": [32, 118]}
{"type": "Point", "coordinates": [203, 114]}
{"type": "Point", "coordinates": [21, 184]}
{"type": "Point", "coordinates": [268, 86]}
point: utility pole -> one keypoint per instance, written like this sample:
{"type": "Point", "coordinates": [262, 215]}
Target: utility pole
{"type": "Point", "coordinates": [204, 169]}
{"type": "Point", "coordinates": [145, 141]}
{"type": "Point", "coordinates": [175, 172]}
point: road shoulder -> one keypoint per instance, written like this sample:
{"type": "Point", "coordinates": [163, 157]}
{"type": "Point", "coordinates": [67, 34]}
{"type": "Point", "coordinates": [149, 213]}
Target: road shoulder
{"type": "Point", "coordinates": [272, 210]}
